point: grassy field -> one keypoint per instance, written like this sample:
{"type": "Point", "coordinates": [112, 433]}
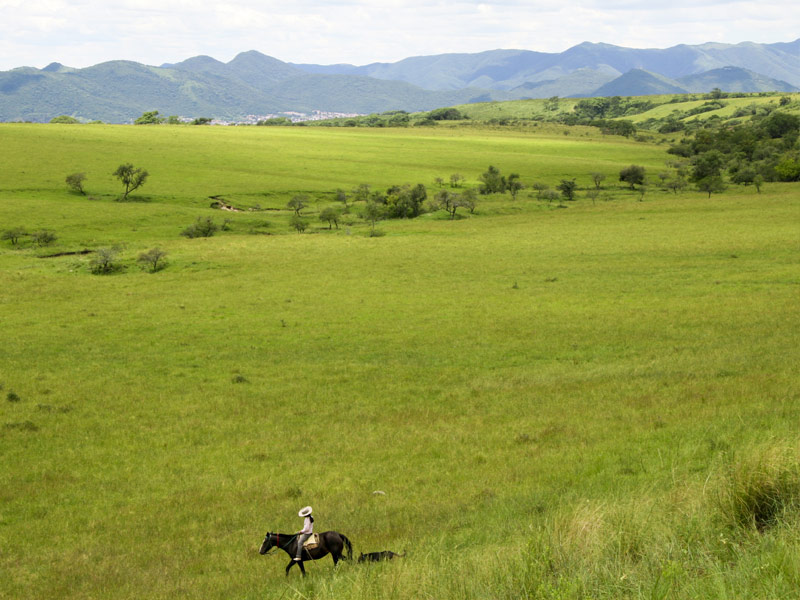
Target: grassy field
{"type": "Point", "coordinates": [597, 401]}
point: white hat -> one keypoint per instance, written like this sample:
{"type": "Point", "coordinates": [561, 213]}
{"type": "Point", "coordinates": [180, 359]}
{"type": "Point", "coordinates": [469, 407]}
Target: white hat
{"type": "Point", "coordinates": [304, 512]}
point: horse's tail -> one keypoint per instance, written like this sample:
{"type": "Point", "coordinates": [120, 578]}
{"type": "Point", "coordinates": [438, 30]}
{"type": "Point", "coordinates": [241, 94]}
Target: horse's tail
{"type": "Point", "coordinates": [348, 545]}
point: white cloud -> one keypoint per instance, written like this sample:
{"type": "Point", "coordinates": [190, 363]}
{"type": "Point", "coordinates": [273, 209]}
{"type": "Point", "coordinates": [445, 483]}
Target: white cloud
{"type": "Point", "coordinates": [85, 32]}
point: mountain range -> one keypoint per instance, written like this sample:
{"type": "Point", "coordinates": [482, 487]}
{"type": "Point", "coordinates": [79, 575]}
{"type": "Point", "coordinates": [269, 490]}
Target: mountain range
{"type": "Point", "coordinates": [255, 84]}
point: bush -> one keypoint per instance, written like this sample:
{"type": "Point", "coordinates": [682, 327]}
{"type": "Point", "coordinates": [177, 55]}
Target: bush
{"type": "Point", "coordinates": [203, 227]}
{"type": "Point", "coordinates": [44, 237]}
{"type": "Point", "coordinates": [75, 182]}
{"type": "Point", "coordinates": [154, 259]}
{"type": "Point", "coordinates": [105, 261]}
{"type": "Point", "coordinates": [13, 235]}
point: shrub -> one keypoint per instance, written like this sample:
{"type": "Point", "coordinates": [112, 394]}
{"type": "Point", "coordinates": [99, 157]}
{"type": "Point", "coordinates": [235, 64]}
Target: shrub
{"type": "Point", "coordinates": [11, 396]}
{"type": "Point", "coordinates": [75, 182]}
{"type": "Point", "coordinates": [44, 237]}
{"type": "Point", "coordinates": [203, 227]}
{"type": "Point", "coordinates": [298, 223]}
{"type": "Point", "coordinates": [154, 259]}
{"type": "Point", "coordinates": [105, 261]}
{"type": "Point", "coordinates": [13, 235]}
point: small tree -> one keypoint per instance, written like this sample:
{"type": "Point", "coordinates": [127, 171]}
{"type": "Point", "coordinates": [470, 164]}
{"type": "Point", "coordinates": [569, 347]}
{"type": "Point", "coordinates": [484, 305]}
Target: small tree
{"type": "Point", "coordinates": [298, 223]}
{"type": "Point", "coordinates": [469, 199]}
{"type": "Point", "coordinates": [758, 181]}
{"type": "Point", "coordinates": [567, 188]}
{"type": "Point", "coordinates": [154, 259]}
{"type": "Point", "coordinates": [492, 182]}
{"type": "Point", "coordinates": [13, 235]}
{"type": "Point", "coordinates": [456, 179]}
{"type": "Point", "coordinates": [374, 212]}
{"type": "Point", "coordinates": [149, 118]}
{"type": "Point", "coordinates": [131, 177]}
{"type": "Point", "coordinates": [105, 261]}
{"type": "Point", "coordinates": [711, 184]}
{"type": "Point", "coordinates": [65, 119]}
{"type": "Point", "coordinates": [44, 237]}
{"type": "Point", "coordinates": [298, 203]}
{"type": "Point", "coordinates": [341, 196]}
{"type": "Point", "coordinates": [331, 214]}
{"type": "Point", "coordinates": [514, 185]}
{"type": "Point", "coordinates": [633, 175]}
{"type": "Point", "coordinates": [597, 178]}
{"type": "Point", "coordinates": [540, 189]}
{"type": "Point", "coordinates": [361, 193]}
{"type": "Point", "coordinates": [75, 182]}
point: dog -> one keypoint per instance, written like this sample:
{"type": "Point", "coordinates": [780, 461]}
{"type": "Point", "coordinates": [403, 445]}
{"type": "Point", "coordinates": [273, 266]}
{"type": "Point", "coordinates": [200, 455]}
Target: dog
{"type": "Point", "coordinates": [379, 556]}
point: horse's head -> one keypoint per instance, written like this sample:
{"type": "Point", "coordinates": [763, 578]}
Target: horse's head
{"type": "Point", "coordinates": [268, 543]}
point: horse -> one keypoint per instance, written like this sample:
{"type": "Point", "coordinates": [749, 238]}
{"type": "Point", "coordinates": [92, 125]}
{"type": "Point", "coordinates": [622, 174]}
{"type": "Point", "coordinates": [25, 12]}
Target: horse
{"type": "Point", "coordinates": [330, 542]}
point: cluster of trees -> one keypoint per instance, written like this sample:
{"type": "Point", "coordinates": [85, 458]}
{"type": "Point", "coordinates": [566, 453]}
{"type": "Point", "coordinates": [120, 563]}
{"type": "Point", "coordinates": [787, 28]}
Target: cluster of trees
{"type": "Point", "coordinates": [41, 237]}
{"type": "Point", "coordinates": [762, 149]}
{"type": "Point", "coordinates": [129, 176]}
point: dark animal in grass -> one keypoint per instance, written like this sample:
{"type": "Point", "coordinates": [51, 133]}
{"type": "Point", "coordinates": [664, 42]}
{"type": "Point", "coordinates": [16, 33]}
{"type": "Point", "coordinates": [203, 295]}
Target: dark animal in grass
{"type": "Point", "coordinates": [330, 542]}
{"type": "Point", "coordinates": [379, 556]}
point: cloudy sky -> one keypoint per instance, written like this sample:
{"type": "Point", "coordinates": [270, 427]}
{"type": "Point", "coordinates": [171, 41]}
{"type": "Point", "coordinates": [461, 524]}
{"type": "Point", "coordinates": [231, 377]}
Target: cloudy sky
{"type": "Point", "coordinates": [80, 33]}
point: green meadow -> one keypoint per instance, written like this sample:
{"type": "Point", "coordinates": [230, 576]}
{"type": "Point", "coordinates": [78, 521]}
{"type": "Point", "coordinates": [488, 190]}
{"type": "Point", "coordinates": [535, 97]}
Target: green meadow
{"type": "Point", "coordinates": [586, 399]}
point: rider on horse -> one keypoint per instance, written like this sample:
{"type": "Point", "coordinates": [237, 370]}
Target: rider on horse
{"type": "Point", "coordinates": [306, 531]}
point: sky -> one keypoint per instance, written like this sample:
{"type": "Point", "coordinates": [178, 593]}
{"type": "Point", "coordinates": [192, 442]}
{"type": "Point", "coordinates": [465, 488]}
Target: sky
{"type": "Point", "coordinates": [80, 33]}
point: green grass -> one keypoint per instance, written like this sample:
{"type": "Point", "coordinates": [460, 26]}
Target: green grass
{"type": "Point", "coordinates": [557, 403]}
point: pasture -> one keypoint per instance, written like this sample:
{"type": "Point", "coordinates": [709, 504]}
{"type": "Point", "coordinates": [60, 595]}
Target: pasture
{"type": "Point", "coordinates": [530, 401]}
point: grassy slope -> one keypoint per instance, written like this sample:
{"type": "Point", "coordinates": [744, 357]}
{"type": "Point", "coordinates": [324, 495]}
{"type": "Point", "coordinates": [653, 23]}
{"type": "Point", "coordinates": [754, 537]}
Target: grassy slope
{"type": "Point", "coordinates": [490, 375]}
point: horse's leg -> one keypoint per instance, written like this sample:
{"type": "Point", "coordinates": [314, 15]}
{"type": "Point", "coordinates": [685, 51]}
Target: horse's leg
{"type": "Point", "coordinates": [302, 568]}
{"type": "Point", "coordinates": [289, 566]}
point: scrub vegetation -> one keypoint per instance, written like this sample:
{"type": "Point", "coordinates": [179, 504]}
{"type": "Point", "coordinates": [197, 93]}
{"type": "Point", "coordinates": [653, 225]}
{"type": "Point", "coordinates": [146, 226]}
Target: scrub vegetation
{"type": "Point", "coordinates": [557, 395]}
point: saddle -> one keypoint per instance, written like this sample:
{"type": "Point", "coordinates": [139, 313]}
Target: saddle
{"type": "Point", "coordinates": [312, 542]}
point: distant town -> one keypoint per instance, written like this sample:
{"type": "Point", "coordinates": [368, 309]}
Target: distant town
{"type": "Point", "coordinates": [294, 117]}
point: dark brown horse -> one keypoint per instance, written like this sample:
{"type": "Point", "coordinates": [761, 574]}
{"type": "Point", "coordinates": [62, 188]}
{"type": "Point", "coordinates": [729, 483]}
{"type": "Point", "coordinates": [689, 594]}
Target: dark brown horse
{"type": "Point", "coordinates": [330, 542]}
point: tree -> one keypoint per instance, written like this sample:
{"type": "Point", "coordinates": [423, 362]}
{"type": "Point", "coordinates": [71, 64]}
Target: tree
{"type": "Point", "coordinates": [492, 182]}
{"type": "Point", "coordinates": [456, 179]}
{"type": "Point", "coordinates": [104, 261]}
{"type": "Point", "coordinates": [44, 237]}
{"type": "Point", "coordinates": [711, 184]}
{"type": "Point", "coordinates": [202, 121]}
{"type": "Point", "coordinates": [154, 259]}
{"type": "Point", "coordinates": [341, 196]}
{"type": "Point", "coordinates": [331, 214]}
{"type": "Point", "coordinates": [75, 182]}
{"type": "Point", "coordinates": [514, 185]}
{"type": "Point", "coordinates": [469, 199]}
{"type": "Point", "coordinates": [131, 177]}
{"type": "Point", "coordinates": [298, 223]}
{"type": "Point", "coordinates": [597, 178]}
{"type": "Point", "coordinates": [374, 212]}
{"type": "Point", "coordinates": [64, 119]}
{"type": "Point", "coordinates": [567, 188]}
{"type": "Point", "coordinates": [540, 189]}
{"type": "Point", "coordinates": [633, 175]}
{"type": "Point", "coordinates": [298, 203]}
{"type": "Point", "coordinates": [13, 235]}
{"type": "Point", "coordinates": [361, 193]}
{"type": "Point", "coordinates": [707, 164]}
{"type": "Point", "coordinates": [149, 118]}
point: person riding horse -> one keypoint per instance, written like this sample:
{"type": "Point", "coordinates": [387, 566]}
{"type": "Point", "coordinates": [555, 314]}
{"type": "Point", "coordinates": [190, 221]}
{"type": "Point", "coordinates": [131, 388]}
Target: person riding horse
{"type": "Point", "coordinates": [306, 531]}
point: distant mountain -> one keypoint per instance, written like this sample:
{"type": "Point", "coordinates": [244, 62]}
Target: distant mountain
{"type": "Point", "coordinates": [508, 69]}
{"type": "Point", "coordinates": [638, 82]}
{"type": "Point", "coordinates": [255, 84]}
{"type": "Point", "coordinates": [734, 79]}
